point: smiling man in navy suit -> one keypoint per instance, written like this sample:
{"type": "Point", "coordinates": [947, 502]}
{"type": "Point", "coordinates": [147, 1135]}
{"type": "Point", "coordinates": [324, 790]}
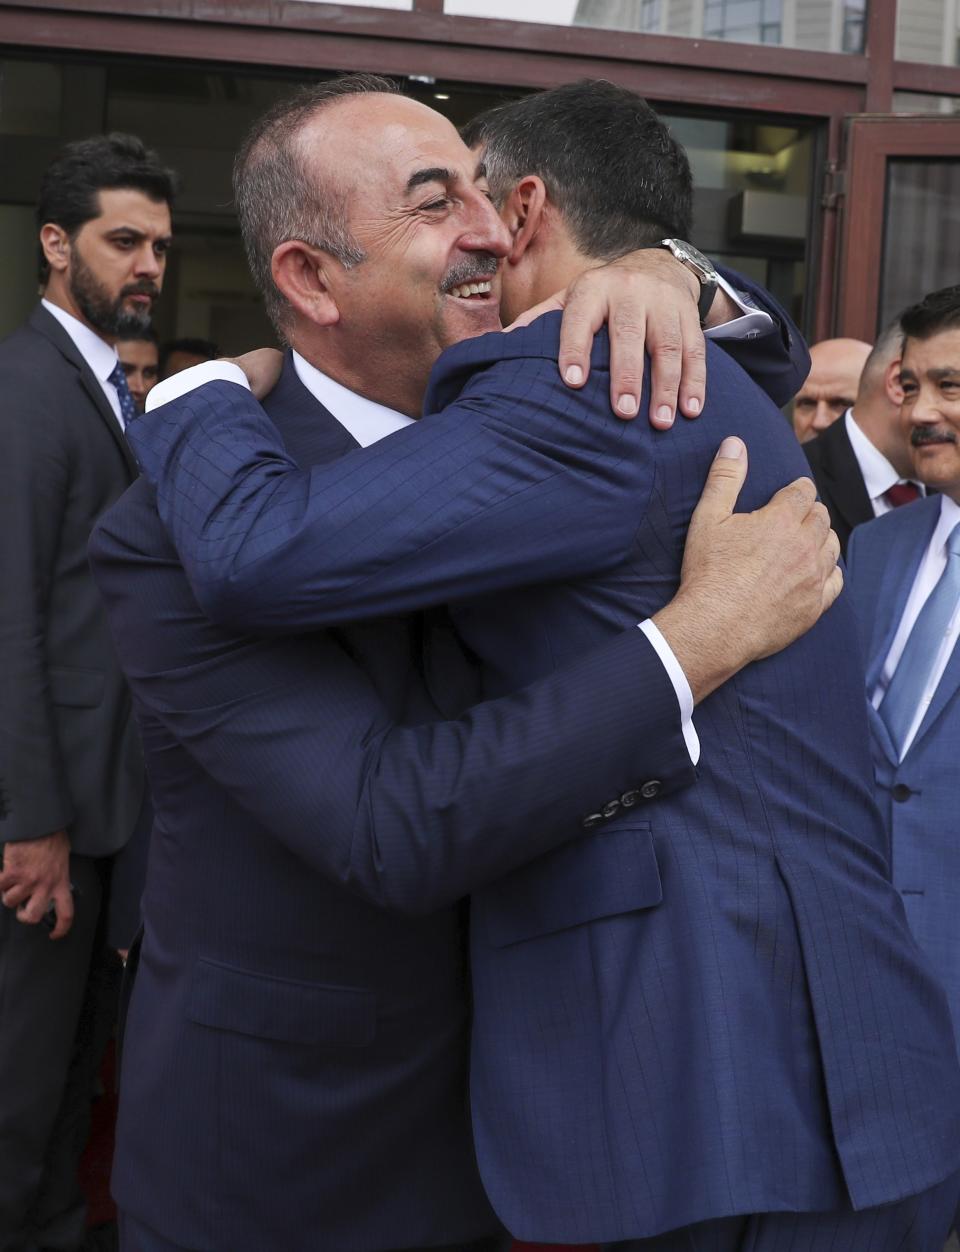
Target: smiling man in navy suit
{"type": "Point", "coordinates": [281, 1029]}
{"type": "Point", "coordinates": [905, 578]}
{"type": "Point", "coordinates": [705, 1025]}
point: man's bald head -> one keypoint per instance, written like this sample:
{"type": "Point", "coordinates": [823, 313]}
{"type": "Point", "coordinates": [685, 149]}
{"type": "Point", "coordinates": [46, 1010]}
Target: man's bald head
{"type": "Point", "coordinates": [831, 387]}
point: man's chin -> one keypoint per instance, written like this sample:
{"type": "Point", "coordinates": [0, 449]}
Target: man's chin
{"type": "Point", "coordinates": [465, 319]}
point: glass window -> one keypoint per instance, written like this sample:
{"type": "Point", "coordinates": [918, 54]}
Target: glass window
{"type": "Point", "coordinates": [818, 25]}
{"type": "Point", "coordinates": [921, 230]}
{"type": "Point", "coordinates": [916, 102]}
{"type": "Point", "coordinates": [372, 4]}
{"type": "Point", "coordinates": [30, 96]}
{"type": "Point", "coordinates": [928, 31]}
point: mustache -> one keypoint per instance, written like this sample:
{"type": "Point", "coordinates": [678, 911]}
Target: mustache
{"type": "Point", "coordinates": [922, 435]}
{"type": "Point", "coordinates": [480, 265]}
{"type": "Point", "coordinates": [140, 289]}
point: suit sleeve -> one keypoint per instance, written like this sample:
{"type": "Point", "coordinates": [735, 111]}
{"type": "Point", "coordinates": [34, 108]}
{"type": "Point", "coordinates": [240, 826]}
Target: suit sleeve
{"type": "Point", "coordinates": [34, 481]}
{"type": "Point", "coordinates": [409, 817]}
{"type": "Point", "coordinates": [519, 482]}
{"type": "Point", "coordinates": [778, 361]}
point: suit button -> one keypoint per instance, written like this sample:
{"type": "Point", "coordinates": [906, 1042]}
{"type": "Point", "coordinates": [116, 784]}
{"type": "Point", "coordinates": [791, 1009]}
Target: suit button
{"type": "Point", "coordinates": [651, 789]}
{"type": "Point", "coordinates": [593, 819]}
{"type": "Point", "coordinates": [901, 792]}
{"type": "Point", "coordinates": [611, 809]}
{"type": "Point", "coordinates": [629, 798]}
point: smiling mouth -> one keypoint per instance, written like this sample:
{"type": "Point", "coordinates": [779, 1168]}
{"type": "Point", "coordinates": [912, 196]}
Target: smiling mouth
{"type": "Point", "coordinates": [471, 291]}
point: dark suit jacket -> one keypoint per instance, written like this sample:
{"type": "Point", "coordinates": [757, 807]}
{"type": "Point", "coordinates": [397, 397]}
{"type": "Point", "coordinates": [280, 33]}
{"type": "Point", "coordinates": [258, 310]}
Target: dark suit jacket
{"type": "Point", "coordinates": [918, 795]}
{"type": "Point", "coordinates": [836, 471]}
{"type": "Point", "coordinates": [69, 752]}
{"type": "Point", "coordinates": [294, 1072]}
{"type": "Point", "coordinates": [713, 1004]}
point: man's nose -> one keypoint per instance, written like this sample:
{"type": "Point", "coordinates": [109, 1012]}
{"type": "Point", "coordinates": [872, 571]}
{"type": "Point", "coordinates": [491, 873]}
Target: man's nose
{"type": "Point", "coordinates": [485, 231]}
{"type": "Point", "coordinates": [824, 416]}
{"type": "Point", "coordinates": [148, 263]}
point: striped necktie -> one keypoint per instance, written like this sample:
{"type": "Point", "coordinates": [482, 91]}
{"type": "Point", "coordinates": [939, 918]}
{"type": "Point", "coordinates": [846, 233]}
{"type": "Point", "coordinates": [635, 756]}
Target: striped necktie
{"type": "Point", "coordinates": [899, 705]}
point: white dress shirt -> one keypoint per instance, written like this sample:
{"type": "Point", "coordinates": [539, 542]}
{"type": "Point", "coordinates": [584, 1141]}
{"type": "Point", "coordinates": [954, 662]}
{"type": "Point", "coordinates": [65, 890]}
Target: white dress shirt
{"type": "Point", "coordinates": [928, 575]}
{"type": "Point", "coordinates": [97, 353]}
{"type": "Point", "coordinates": [878, 474]}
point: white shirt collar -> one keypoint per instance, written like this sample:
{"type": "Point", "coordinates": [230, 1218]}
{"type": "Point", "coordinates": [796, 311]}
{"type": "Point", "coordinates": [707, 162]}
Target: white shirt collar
{"type": "Point", "coordinates": [878, 474]}
{"type": "Point", "coordinates": [366, 420]}
{"type": "Point", "coordinates": [98, 354]}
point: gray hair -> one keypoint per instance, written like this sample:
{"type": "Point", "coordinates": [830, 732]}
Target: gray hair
{"type": "Point", "coordinates": [278, 194]}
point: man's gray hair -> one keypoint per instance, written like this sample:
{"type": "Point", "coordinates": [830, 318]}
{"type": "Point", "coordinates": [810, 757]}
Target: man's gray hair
{"type": "Point", "coordinates": [280, 195]}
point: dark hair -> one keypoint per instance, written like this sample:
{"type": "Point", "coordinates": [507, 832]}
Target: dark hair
{"type": "Point", "coordinates": [196, 347]}
{"type": "Point", "coordinates": [609, 164]}
{"type": "Point", "coordinates": [940, 310]}
{"type": "Point", "coordinates": [69, 189]}
{"type": "Point", "coordinates": [278, 193]}
{"type": "Point", "coordinates": [142, 334]}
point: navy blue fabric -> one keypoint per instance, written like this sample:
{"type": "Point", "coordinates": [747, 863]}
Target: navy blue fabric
{"type": "Point", "coordinates": [918, 795]}
{"type": "Point", "coordinates": [747, 1025]}
{"type": "Point", "coordinates": [295, 1061]}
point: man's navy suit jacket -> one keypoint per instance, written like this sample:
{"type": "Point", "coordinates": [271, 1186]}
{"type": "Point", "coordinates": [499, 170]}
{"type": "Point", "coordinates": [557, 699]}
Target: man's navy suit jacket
{"type": "Point", "coordinates": [713, 1003]}
{"type": "Point", "coordinates": [918, 795]}
{"type": "Point", "coordinates": [294, 1068]}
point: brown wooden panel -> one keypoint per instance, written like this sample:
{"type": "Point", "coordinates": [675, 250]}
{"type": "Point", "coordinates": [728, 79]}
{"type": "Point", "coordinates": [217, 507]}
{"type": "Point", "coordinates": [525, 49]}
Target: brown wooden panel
{"type": "Point", "coordinates": [35, 26]}
{"type": "Point", "coordinates": [429, 26]}
{"type": "Point", "coordinates": [938, 80]}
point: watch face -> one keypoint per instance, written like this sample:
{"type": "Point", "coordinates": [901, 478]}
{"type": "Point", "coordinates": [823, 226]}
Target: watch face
{"type": "Point", "coordinates": [684, 251]}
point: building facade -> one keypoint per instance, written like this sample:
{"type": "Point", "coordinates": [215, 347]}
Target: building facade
{"type": "Point", "coordinates": [824, 135]}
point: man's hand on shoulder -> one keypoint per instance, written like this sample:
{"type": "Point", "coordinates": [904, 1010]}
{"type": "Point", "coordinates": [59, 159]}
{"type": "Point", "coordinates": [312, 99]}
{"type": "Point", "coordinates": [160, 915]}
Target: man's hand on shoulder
{"type": "Point", "coordinates": [36, 874]}
{"type": "Point", "coordinates": [262, 368]}
{"type": "Point", "coordinates": [648, 301]}
{"type": "Point", "coordinates": [752, 583]}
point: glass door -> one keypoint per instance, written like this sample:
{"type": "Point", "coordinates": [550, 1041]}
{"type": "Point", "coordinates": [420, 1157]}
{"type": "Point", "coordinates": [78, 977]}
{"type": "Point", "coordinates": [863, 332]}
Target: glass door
{"type": "Point", "coordinates": [900, 234]}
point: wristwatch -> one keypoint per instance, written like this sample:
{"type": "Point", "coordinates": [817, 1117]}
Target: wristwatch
{"type": "Point", "coordinates": [700, 266]}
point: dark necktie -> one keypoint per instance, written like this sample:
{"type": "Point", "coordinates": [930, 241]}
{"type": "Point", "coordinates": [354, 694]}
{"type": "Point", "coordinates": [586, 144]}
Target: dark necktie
{"type": "Point", "coordinates": [901, 493]}
{"type": "Point", "coordinates": [899, 705]}
{"type": "Point", "coordinates": [128, 409]}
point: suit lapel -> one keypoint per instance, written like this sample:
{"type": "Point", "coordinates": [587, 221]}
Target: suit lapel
{"type": "Point", "coordinates": [842, 469]}
{"type": "Point", "coordinates": [312, 435]}
{"type": "Point", "coordinates": [48, 326]}
{"type": "Point", "coordinates": [900, 563]}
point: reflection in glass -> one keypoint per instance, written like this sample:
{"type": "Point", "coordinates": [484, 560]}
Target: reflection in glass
{"type": "Point", "coordinates": [922, 228]}
{"type": "Point", "coordinates": [30, 93]}
{"type": "Point", "coordinates": [818, 25]}
{"type": "Point", "coordinates": [917, 102]}
{"type": "Point", "coordinates": [928, 31]}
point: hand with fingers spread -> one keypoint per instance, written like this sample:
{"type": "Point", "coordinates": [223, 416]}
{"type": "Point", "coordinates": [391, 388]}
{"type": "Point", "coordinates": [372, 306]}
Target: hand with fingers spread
{"type": "Point", "coordinates": [36, 875]}
{"type": "Point", "coordinates": [648, 300]}
{"type": "Point", "coordinates": [752, 583]}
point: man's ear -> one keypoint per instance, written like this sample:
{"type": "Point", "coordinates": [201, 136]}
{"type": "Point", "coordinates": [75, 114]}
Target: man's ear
{"type": "Point", "coordinates": [302, 273]}
{"type": "Point", "coordinates": [891, 383]}
{"type": "Point", "coordinates": [523, 215]}
{"type": "Point", "coordinates": [55, 243]}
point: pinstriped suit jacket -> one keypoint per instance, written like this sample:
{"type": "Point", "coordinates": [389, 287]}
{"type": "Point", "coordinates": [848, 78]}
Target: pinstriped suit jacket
{"type": "Point", "coordinates": [918, 795]}
{"type": "Point", "coordinates": [712, 1005]}
{"type": "Point", "coordinates": [295, 1056]}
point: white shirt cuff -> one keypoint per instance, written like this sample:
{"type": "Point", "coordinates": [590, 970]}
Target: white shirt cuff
{"type": "Point", "coordinates": [680, 685]}
{"type": "Point", "coordinates": [178, 385]}
{"type": "Point", "coordinates": [751, 325]}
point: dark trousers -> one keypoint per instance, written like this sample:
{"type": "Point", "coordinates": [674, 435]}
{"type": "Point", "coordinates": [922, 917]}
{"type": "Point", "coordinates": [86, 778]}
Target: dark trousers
{"type": "Point", "coordinates": [135, 1237]}
{"type": "Point", "coordinates": [57, 1006]}
{"type": "Point", "coordinates": [920, 1223]}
